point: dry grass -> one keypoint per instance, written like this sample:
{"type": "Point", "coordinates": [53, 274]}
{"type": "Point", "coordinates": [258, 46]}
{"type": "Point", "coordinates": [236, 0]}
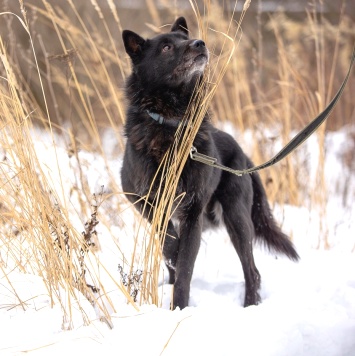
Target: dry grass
{"type": "Point", "coordinates": [71, 84]}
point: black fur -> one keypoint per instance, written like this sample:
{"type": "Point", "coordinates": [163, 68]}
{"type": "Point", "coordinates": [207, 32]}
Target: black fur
{"type": "Point", "coordinates": [165, 71]}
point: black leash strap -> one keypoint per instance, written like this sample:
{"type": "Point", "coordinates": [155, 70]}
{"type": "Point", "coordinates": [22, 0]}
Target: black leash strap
{"type": "Point", "coordinates": [292, 145]}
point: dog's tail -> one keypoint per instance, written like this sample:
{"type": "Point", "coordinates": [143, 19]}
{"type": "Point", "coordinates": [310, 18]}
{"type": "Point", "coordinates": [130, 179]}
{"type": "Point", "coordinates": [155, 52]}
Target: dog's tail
{"type": "Point", "coordinates": [265, 226]}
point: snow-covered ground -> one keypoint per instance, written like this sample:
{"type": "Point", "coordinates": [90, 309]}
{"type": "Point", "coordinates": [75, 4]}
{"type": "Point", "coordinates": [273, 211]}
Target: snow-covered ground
{"type": "Point", "coordinates": [308, 307]}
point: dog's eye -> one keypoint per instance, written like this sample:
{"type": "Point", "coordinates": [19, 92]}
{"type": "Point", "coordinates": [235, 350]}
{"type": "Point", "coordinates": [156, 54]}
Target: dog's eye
{"type": "Point", "coordinates": [167, 48]}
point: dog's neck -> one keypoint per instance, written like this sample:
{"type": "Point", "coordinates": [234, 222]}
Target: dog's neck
{"type": "Point", "coordinates": [171, 122]}
{"type": "Point", "coordinates": [169, 103]}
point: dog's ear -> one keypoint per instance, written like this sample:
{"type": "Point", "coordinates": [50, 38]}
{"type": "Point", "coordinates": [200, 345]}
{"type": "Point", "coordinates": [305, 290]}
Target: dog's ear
{"type": "Point", "coordinates": [180, 25]}
{"type": "Point", "coordinates": [133, 44]}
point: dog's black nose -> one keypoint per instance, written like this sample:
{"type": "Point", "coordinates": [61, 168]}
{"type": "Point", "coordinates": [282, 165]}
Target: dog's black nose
{"type": "Point", "coordinates": [198, 43]}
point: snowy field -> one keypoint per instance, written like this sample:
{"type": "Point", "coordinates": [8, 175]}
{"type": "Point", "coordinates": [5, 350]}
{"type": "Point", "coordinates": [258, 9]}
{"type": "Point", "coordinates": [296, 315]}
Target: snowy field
{"type": "Point", "coordinates": [308, 307]}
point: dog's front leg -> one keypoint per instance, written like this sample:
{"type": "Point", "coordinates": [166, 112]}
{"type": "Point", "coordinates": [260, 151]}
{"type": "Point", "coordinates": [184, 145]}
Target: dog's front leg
{"type": "Point", "coordinates": [190, 238]}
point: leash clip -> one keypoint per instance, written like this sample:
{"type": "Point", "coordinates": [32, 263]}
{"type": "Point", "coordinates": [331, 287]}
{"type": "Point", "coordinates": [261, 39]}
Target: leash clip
{"type": "Point", "coordinates": [199, 157]}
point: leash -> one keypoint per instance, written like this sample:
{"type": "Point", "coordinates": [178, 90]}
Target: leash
{"type": "Point", "coordinates": [301, 137]}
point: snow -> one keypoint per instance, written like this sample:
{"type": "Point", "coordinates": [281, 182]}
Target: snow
{"type": "Point", "coordinates": [308, 307]}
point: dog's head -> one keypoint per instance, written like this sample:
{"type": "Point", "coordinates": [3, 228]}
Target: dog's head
{"type": "Point", "coordinates": [170, 59]}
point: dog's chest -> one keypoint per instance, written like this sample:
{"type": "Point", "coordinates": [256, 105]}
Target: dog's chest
{"type": "Point", "coordinates": [151, 140]}
{"type": "Point", "coordinates": [151, 144]}
{"type": "Point", "coordinates": [157, 182]}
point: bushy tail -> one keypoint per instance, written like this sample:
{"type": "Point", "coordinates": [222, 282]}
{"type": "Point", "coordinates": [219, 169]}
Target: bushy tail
{"type": "Point", "coordinates": [265, 226]}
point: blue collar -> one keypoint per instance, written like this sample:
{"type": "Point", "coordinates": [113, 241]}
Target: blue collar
{"type": "Point", "coordinates": [162, 121]}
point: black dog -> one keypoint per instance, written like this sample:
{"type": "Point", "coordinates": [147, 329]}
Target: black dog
{"type": "Point", "coordinates": [166, 69]}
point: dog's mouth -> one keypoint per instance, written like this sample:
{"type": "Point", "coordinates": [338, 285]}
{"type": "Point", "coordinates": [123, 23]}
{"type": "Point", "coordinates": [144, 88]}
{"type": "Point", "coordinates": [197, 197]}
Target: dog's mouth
{"type": "Point", "coordinates": [196, 61]}
{"type": "Point", "coordinates": [193, 63]}
{"type": "Point", "coordinates": [201, 57]}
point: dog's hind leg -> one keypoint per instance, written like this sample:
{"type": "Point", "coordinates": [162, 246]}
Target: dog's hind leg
{"type": "Point", "coordinates": [237, 218]}
{"type": "Point", "coordinates": [240, 229]}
